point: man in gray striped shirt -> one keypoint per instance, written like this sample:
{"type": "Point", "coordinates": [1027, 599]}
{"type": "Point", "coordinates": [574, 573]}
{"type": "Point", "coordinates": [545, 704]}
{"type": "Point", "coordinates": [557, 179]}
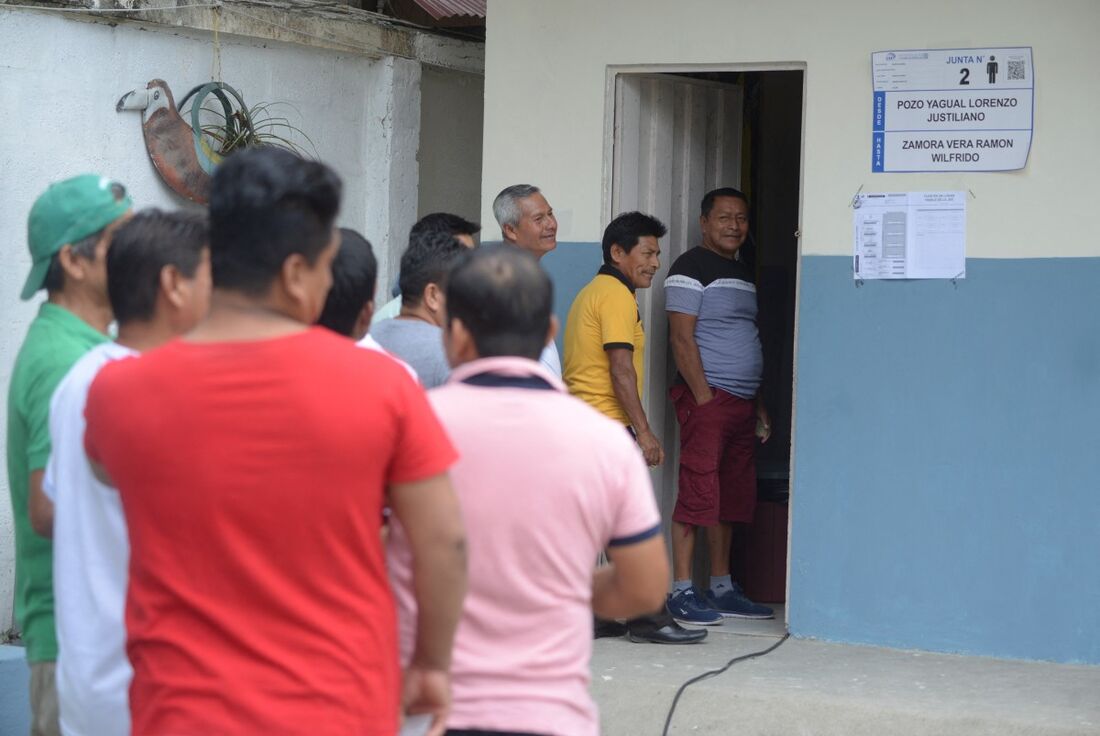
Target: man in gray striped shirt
{"type": "Point", "coordinates": [711, 303]}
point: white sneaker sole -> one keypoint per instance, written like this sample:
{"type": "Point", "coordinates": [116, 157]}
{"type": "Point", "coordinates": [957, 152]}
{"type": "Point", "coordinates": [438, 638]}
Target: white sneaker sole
{"type": "Point", "coordinates": [748, 616]}
{"type": "Point", "coordinates": [688, 622]}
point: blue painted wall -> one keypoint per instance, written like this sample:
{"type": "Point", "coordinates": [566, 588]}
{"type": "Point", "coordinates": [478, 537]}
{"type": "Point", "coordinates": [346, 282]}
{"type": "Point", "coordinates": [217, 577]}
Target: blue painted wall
{"type": "Point", "coordinates": [571, 266]}
{"type": "Point", "coordinates": [947, 456]}
{"type": "Point", "coordinates": [947, 460]}
{"type": "Point", "coordinates": [15, 697]}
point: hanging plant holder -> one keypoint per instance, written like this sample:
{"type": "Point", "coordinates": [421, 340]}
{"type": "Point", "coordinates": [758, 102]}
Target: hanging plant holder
{"type": "Point", "coordinates": [236, 130]}
{"type": "Point", "coordinates": [184, 155]}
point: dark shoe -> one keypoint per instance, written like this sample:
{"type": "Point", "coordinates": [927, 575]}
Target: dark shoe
{"type": "Point", "coordinates": [733, 603]}
{"type": "Point", "coordinates": [608, 629]}
{"type": "Point", "coordinates": [670, 633]}
{"type": "Point", "coordinates": [690, 608]}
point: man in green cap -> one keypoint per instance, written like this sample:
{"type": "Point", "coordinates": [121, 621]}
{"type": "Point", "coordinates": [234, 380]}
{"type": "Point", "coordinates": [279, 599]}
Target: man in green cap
{"type": "Point", "coordinates": [68, 231]}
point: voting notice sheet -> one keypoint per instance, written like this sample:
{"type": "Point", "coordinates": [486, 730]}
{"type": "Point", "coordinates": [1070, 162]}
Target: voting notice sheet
{"type": "Point", "coordinates": [910, 235]}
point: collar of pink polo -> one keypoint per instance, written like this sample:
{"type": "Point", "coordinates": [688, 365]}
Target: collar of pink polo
{"type": "Point", "coordinates": [505, 366]}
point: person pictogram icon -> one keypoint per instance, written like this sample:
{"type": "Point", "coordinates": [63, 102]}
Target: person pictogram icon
{"type": "Point", "coordinates": [991, 69]}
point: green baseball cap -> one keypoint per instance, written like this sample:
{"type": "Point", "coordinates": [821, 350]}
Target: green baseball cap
{"type": "Point", "coordinates": [67, 212]}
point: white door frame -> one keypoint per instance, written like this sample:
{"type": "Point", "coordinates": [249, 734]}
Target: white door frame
{"type": "Point", "coordinates": [613, 71]}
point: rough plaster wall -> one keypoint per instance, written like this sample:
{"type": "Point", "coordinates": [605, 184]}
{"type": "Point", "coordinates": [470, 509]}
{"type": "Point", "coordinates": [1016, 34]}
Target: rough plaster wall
{"type": "Point", "coordinates": [451, 118]}
{"type": "Point", "coordinates": [59, 81]}
{"type": "Point", "coordinates": [392, 142]}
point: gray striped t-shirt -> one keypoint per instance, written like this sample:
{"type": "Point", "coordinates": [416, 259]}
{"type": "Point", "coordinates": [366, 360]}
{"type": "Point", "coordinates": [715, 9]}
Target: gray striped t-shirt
{"type": "Point", "coordinates": [721, 294]}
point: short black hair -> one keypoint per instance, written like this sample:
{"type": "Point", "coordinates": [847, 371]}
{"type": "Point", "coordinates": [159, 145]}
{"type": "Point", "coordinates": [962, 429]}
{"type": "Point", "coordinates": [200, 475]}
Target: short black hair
{"type": "Point", "coordinates": [266, 204]}
{"type": "Point", "coordinates": [354, 277]}
{"type": "Point", "coordinates": [504, 299]}
{"type": "Point", "coordinates": [430, 255]}
{"type": "Point", "coordinates": [141, 248]}
{"type": "Point", "coordinates": [445, 222]}
{"type": "Point", "coordinates": [626, 229]}
{"type": "Point", "coordinates": [709, 197]}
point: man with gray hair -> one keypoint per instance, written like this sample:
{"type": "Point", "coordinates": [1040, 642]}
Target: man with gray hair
{"type": "Point", "coordinates": [527, 221]}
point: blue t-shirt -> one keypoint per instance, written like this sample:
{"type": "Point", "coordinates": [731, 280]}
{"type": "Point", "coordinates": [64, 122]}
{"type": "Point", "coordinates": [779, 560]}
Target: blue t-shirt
{"type": "Point", "coordinates": [720, 293]}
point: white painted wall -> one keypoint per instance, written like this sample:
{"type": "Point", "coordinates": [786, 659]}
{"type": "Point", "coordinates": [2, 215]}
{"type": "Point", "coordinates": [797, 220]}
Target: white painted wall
{"type": "Point", "coordinates": [392, 132]}
{"type": "Point", "coordinates": [60, 79]}
{"type": "Point", "coordinates": [545, 86]}
{"type": "Point", "coordinates": [451, 112]}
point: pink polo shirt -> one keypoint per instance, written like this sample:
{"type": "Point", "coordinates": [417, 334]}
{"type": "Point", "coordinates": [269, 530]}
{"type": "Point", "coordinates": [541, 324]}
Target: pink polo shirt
{"type": "Point", "coordinates": [545, 483]}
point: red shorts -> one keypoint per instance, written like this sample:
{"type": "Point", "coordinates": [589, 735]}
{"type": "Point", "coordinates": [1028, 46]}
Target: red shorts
{"type": "Point", "coordinates": [717, 462]}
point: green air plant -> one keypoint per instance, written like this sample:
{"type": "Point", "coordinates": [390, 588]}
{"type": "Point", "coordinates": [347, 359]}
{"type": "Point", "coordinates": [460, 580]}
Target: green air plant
{"type": "Point", "coordinates": [227, 124]}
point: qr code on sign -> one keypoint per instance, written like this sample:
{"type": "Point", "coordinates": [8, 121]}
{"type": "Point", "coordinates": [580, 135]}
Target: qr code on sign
{"type": "Point", "coordinates": [1016, 70]}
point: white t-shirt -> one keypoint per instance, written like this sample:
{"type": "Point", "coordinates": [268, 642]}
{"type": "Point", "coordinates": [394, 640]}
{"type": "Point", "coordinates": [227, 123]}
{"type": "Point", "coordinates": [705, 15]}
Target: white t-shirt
{"type": "Point", "coordinates": [550, 360]}
{"type": "Point", "coordinates": [389, 310]}
{"type": "Point", "coordinates": [91, 552]}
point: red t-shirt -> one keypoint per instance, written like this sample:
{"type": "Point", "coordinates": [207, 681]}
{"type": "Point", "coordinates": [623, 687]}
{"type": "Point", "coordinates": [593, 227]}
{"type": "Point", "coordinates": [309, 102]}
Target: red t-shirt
{"type": "Point", "coordinates": [252, 476]}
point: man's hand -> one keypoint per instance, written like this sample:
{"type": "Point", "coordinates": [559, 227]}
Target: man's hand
{"type": "Point", "coordinates": [703, 398]}
{"type": "Point", "coordinates": [763, 422]}
{"type": "Point", "coordinates": [427, 692]}
{"type": "Point", "coordinates": [651, 448]}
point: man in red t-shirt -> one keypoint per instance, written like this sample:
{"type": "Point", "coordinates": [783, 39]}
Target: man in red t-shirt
{"type": "Point", "coordinates": [253, 458]}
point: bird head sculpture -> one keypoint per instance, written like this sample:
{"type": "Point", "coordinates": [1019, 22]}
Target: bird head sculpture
{"type": "Point", "coordinates": [169, 140]}
{"type": "Point", "coordinates": [154, 98]}
{"type": "Point", "coordinates": [179, 152]}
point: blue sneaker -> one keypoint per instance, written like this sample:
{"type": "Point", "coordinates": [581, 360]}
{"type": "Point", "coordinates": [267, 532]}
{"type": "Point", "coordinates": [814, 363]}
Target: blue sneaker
{"type": "Point", "coordinates": [733, 604]}
{"type": "Point", "coordinates": [689, 608]}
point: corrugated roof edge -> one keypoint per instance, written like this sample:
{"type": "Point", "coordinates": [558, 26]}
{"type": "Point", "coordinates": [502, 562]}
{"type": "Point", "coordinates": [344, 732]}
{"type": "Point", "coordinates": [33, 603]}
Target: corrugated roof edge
{"type": "Point", "coordinates": [440, 9]}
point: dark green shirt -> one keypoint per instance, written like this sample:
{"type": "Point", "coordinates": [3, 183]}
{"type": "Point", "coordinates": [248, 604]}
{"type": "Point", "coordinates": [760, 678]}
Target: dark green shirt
{"type": "Point", "coordinates": [56, 339]}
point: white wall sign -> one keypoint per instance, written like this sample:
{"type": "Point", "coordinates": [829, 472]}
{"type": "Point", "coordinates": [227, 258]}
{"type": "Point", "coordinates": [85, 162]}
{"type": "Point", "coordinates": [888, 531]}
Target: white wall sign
{"type": "Point", "coordinates": [952, 109]}
{"type": "Point", "coordinates": [910, 235]}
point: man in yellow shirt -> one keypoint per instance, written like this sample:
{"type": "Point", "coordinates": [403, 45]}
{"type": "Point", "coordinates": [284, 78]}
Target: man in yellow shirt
{"type": "Point", "coordinates": [605, 362]}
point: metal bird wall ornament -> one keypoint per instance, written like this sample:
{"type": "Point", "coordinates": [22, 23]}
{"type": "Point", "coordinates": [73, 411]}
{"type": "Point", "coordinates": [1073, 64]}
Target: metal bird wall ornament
{"type": "Point", "coordinates": [181, 153]}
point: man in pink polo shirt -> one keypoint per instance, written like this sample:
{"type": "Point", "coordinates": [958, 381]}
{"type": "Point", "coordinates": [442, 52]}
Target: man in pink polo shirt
{"type": "Point", "coordinates": [545, 483]}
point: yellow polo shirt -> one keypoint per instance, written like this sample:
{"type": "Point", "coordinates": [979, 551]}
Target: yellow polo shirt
{"type": "Point", "coordinates": [604, 315]}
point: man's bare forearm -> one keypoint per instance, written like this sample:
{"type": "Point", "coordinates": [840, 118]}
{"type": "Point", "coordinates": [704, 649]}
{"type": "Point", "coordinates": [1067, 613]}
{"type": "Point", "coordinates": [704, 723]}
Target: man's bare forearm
{"type": "Point", "coordinates": [605, 594]}
{"type": "Point", "coordinates": [685, 352]}
{"type": "Point", "coordinates": [611, 599]}
{"type": "Point", "coordinates": [634, 583]}
{"type": "Point", "coordinates": [428, 512]}
{"type": "Point", "coordinates": [624, 381]}
{"type": "Point", "coordinates": [440, 583]}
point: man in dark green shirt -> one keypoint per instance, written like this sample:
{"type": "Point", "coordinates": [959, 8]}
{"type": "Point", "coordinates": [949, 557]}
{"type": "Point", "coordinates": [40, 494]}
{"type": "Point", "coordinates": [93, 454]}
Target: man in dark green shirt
{"type": "Point", "coordinates": [69, 230]}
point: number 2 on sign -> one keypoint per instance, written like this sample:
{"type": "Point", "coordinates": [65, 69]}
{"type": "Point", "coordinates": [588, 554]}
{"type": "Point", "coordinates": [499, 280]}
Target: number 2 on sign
{"type": "Point", "coordinates": [965, 76]}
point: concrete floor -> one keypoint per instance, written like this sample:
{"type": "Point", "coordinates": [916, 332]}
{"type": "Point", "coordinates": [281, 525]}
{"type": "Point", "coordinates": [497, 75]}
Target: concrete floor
{"type": "Point", "coordinates": [820, 689]}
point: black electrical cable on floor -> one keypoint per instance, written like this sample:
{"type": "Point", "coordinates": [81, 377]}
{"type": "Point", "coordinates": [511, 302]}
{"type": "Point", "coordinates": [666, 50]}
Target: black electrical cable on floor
{"type": "Point", "coordinates": [715, 673]}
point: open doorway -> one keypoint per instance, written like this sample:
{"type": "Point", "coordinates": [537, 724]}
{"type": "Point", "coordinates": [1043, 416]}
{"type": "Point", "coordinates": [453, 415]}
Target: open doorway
{"type": "Point", "coordinates": [673, 135]}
